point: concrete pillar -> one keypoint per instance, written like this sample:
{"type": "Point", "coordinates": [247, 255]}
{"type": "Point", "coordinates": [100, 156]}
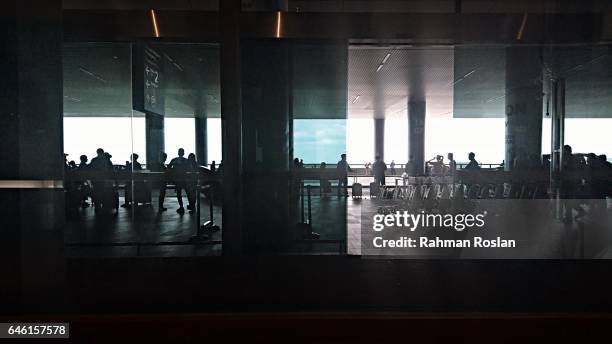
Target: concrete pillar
{"type": "Point", "coordinates": [154, 137]}
{"type": "Point", "coordinates": [31, 136]}
{"type": "Point", "coordinates": [557, 138]}
{"type": "Point", "coordinates": [416, 134]}
{"type": "Point", "coordinates": [267, 144]}
{"type": "Point", "coordinates": [201, 138]}
{"type": "Point", "coordinates": [231, 126]}
{"type": "Point", "coordinates": [523, 105]}
{"type": "Point", "coordinates": [379, 138]}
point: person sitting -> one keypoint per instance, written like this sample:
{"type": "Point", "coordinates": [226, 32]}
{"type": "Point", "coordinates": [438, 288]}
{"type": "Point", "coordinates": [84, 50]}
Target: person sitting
{"type": "Point", "coordinates": [130, 188]}
{"type": "Point", "coordinates": [84, 185]}
{"type": "Point", "coordinates": [437, 166]}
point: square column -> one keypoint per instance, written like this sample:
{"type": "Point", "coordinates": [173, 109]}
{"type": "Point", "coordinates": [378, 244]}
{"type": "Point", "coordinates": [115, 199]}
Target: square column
{"type": "Point", "coordinates": [154, 137]}
{"type": "Point", "coordinates": [201, 137]}
{"type": "Point", "coordinates": [32, 214]}
{"type": "Point", "coordinates": [416, 134]}
{"type": "Point", "coordinates": [379, 138]}
{"type": "Point", "coordinates": [523, 107]}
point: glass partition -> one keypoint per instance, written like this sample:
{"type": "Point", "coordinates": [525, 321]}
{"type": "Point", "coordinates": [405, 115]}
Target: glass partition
{"type": "Point", "coordinates": [151, 190]}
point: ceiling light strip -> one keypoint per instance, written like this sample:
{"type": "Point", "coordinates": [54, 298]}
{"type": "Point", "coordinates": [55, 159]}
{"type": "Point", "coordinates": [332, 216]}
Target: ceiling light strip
{"type": "Point", "coordinates": [519, 34]}
{"type": "Point", "coordinates": [154, 21]}
{"type": "Point", "coordinates": [278, 24]}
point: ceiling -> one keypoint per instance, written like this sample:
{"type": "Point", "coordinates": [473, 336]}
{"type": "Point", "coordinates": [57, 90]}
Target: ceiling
{"type": "Point", "coordinates": [469, 81]}
{"type": "Point", "coordinates": [414, 6]}
{"type": "Point", "coordinates": [407, 73]}
{"type": "Point", "coordinates": [97, 79]}
{"type": "Point", "coordinates": [461, 81]}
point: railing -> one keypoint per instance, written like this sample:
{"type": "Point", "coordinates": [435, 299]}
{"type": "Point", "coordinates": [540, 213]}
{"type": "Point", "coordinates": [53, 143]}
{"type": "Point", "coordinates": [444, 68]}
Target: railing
{"type": "Point", "coordinates": [359, 170]}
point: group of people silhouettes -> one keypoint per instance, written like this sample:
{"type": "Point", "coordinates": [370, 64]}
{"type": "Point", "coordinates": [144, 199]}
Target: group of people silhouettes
{"type": "Point", "coordinates": [586, 177]}
{"type": "Point", "coordinates": [95, 179]}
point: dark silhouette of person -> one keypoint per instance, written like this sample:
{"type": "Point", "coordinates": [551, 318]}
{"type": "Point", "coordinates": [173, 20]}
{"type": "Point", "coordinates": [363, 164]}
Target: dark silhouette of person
{"type": "Point", "coordinates": [411, 168]}
{"type": "Point", "coordinates": [192, 180]}
{"type": "Point", "coordinates": [161, 183]}
{"type": "Point", "coordinates": [134, 164]}
{"type": "Point", "coordinates": [108, 160]}
{"type": "Point", "coordinates": [131, 166]}
{"type": "Point", "coordinates": [606, 175]}
{"type": "Point", "coordinates": [99, 161]}
{"type": "Point", "coordinates": [452, 165]}
{"type": "Point", "coordinates": [178, 168]}
{"type": "Point", "coordinates": [367, 166]}
{"type": "Point", "coordinates": [301, 163]}
{"type": "Point", "coordinates": [378, 169]}
{"type": "Point", "coordinates": [546, 162]}
{"type": "Point", "coordinates": [83, 161]}
{"type": "Point", "coordinates": [392, 165]}
{"type": "Point", "coordinates": [437, 165]}
{"type": "Point", "coordinates": [213, 167]}
{"type": "Point", "coordinates": [571, 166]}
{"type": "Point", "coordinates": [296, 163]}
{"type": "Point", "coordinates": [82, 183]}
{"type": "Point", "coordinates": [473, 164]}
{"type": "Point", "coordinates": [102, 166]}
{"type": "Point", "coordinates": [343, 169]}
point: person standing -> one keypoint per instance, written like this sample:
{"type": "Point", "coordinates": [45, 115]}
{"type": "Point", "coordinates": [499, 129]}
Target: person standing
{"type": "Point", "coordinates": [102, 167]}
{"type": "Point", "coordinates": [410, 168]}
{"type": "Point", "coordinates": [161, 184]}
{"type": "Point", "coordinates": [378, 169]}
{"type": "Point", "coordinates": [178, 168]}
{"type": "Point", "coordinates": [343, 169]}
{"type": "Point", "coordinates": [192, 181]}
{"type": "Point", "coordinates": [452, 165]}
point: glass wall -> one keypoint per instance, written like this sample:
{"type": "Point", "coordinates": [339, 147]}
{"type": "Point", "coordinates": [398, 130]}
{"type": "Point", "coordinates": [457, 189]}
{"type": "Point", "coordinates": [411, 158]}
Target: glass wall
{"type": "Point", "coordinates": [317, 141]}
{"type": "Point", "coordinates": [126, 200]}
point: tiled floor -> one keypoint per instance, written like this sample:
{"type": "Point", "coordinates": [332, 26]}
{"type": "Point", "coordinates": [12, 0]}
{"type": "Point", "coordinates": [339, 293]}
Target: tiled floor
{"type": "Point", "coordinates": [143, 231]}
{"type": "Point", "coordinates": [117, 235]}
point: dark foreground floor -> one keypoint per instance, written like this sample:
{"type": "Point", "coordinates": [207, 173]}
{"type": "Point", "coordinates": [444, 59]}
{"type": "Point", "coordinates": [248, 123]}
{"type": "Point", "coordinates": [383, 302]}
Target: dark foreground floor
{"type": "Point", "coordinates": [325, 327]}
